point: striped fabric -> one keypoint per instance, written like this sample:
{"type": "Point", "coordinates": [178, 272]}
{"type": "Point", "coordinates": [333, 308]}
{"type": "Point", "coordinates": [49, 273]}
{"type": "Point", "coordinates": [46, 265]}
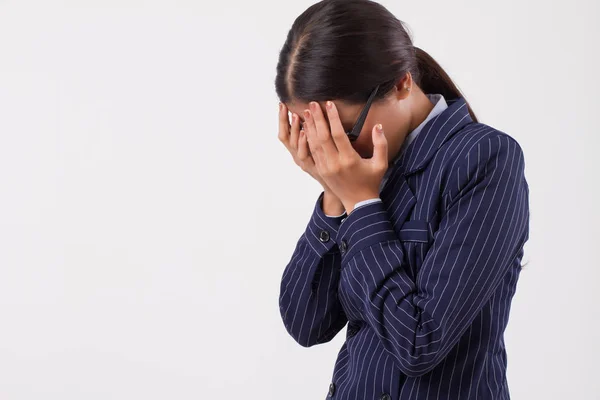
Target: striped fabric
{"type": "Point", "coordinates": [424, 278]}
{"type": "Point", "coordinates": [439, 105]}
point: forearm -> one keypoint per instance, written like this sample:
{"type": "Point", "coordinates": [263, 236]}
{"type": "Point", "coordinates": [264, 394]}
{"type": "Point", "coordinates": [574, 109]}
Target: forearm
{"type": "Point", "coordinates": [308, 298]}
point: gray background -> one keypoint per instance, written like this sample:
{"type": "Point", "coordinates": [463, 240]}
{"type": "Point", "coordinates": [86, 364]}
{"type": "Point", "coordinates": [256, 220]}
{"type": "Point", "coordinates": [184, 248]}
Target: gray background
{"type": "Point", "coordinates": [148, 209]}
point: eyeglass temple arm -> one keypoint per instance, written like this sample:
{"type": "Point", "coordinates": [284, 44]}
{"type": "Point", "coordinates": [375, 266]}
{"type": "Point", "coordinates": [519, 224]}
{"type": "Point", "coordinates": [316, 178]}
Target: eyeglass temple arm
{"type": "Point", "coordinates": [363, 115]}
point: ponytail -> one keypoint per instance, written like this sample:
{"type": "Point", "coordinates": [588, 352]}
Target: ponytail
{"type": "Point", "coordinates": [432, 78]}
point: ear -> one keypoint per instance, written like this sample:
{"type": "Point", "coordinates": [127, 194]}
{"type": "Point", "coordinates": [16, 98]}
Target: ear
{"type": "Point", "coordinates": [401, 83]}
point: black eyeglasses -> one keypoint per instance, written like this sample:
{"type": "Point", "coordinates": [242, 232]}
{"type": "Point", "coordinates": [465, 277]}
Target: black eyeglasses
{"type": "Point", "coordinates": [358, 125]}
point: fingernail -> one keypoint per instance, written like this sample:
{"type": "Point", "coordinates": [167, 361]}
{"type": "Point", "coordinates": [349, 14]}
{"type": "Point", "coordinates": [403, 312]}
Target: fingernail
{"type": "Point", "coordinates": [379, 128]}
{"type": "Point", "coordinates": [329, 105]}
{"type": "Point", "coordinates": [306, 114]}
{"type": "Point", "coordinates": [294, 118]}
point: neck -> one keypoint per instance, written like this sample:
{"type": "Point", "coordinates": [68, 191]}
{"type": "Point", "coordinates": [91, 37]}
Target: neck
{"type": "Point", "coordinates": [421, 108]}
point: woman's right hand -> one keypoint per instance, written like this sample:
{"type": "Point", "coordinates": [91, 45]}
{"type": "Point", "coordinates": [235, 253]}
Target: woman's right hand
{"type": "Point", "coordinates": [295, 141]}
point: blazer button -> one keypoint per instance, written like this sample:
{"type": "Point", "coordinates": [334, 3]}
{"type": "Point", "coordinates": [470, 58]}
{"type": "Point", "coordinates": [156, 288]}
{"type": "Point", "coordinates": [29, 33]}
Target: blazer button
{"type": "Point", "coordinates": [331, 389]}
{"type": "Point", "coordinates": [343, 246]}
{"type": "Point", "coordinates": [324, 236]}
{"type": "Point", "coordinates": [385, 396]}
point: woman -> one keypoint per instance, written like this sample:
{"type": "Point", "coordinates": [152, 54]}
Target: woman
{"type": "Point", "coordinates": [416, 240]}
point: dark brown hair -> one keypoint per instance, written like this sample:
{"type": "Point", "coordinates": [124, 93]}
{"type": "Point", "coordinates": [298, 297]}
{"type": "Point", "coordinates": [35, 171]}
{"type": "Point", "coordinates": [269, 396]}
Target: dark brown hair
{"type": "Point", "coordinates": [342, 49]}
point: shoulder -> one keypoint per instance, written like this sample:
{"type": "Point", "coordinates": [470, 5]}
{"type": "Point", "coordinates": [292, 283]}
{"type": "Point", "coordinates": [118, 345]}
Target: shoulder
{"type": "Point", "coordinates": [472, 138]}
{"type": "Point", "coordinates": [475, 151]}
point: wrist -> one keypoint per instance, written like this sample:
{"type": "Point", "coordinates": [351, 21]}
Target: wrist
{"type": "Point", "coordinates": [351, 205]}
{"type": "Point", "coordinates": [331, 204]}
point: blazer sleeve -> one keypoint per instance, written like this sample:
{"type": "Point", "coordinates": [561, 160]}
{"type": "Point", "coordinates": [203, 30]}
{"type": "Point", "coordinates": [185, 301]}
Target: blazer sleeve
{"type": "Point", "coordinates": [308, 299]}
{"type": "Point", "coordinates": [484, 226]}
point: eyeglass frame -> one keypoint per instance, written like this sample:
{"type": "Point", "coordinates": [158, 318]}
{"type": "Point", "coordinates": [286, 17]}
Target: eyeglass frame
{"type": "Point", "coordinates": [360, 121]}
{"type": "Point", "coordinates": [358, 125]}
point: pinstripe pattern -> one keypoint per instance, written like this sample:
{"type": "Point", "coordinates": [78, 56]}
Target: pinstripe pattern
{"type": "Point", "coordinates": [439, 105]}
{"type": "Point", "coordinates": [423, 278]}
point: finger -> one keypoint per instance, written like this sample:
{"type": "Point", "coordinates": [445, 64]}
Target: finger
{"type": "Point", "coordinates": [380, 148]}
{"type": "Point", "coordinates": [295, 132]}
{"type": "Point", "coordinates": [324, 139]}
{"type": "Point", "coordinates": [319, 160]}
{"type": "Point", "coordinates": [309, 129]}
{"type": "Point", "coordinates": [303, 152]}
{"type": "Point", "coordinates": [284, 125]}
{"type": "Point", "coordinates": [338, 133]}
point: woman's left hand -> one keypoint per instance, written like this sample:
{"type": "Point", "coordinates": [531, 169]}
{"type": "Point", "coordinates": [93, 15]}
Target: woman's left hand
{"type": "Point", "coordinates": [351, 177]}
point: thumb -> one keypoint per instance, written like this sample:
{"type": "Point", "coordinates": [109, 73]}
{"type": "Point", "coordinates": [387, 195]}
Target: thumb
{"type": "Point", "coordinates": [380, 147]}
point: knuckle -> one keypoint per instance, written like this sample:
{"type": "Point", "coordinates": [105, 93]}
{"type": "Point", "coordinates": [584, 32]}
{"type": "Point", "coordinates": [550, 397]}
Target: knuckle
{"type": "Point", "coordinates": [346, 162]}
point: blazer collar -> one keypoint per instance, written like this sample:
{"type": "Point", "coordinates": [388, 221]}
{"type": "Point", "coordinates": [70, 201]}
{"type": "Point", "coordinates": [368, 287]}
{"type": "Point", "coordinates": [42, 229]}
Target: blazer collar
{"type": "Point", "coordinates": [434, 133]}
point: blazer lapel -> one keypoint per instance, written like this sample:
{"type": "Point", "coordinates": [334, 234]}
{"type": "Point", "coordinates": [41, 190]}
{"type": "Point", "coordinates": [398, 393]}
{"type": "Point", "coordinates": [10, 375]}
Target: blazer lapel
{"type": "Point", "coordinates": [396, 194]}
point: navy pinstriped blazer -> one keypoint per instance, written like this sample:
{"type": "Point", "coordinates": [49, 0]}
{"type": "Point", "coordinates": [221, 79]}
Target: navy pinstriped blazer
{"type": "Point", "coordinates": [424, 278]}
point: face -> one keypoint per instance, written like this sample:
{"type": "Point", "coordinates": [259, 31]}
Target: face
{"type": "Point", "coordinates": [389, 111]}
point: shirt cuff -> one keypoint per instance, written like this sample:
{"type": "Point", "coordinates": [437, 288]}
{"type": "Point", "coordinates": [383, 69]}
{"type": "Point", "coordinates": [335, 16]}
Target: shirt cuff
{"type": "Point", "coordinates": [365, 202]}
{"type": "Point", "coordinates": [336, 216]}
